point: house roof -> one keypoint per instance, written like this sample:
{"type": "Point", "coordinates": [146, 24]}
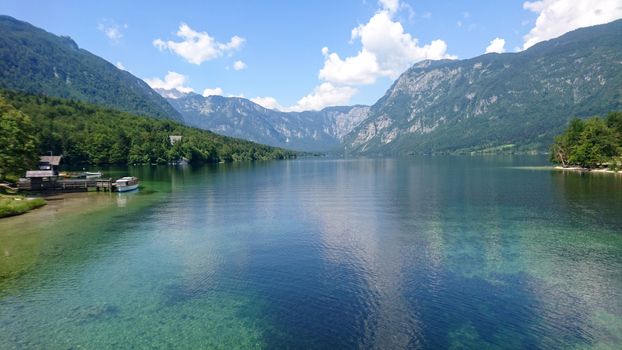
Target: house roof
{"type": "Point", "coordinates": [39, 173]}
{"type": "Point", "coordinates": [52, 160]}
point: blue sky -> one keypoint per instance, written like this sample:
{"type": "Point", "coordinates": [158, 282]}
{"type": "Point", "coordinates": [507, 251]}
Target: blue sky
{"type": "Point", "coordinates": [298, 55]}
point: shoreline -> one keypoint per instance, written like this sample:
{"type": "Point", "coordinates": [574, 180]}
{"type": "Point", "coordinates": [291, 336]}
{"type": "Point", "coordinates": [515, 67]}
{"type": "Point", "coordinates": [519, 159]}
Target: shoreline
{"type": "Point", "coordinates": [56, 203]}
{"type": "Point", "coordinates": [586, 170]}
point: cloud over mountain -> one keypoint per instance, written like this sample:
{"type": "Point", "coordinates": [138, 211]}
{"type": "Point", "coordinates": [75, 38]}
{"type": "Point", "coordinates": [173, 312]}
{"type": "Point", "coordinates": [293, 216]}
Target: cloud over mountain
{"type": "Point", "coordinates": [496, 45]}
{"type": "Point", "coordinates": [197, 47]}
{"type": "Point", "coordinates": [556, 17]}
{"type": "Point", "coordinates": [172, 81]}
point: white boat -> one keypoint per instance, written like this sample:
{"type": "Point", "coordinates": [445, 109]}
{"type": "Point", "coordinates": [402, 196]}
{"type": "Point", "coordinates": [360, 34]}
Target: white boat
{"type": "Point", "coordinates": [93, 175]}
{"type": "Point", "coordinates": [127, 183]}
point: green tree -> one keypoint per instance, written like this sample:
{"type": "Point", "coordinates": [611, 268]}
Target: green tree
{"type": "Point", "coordinates": [18, 145]}
{"type": "Point", "coordinates": [564, 144]}
{"type": "Point", "coordinates": [614, 122]}
{"type": "Point", "coordinates": [596, 146]}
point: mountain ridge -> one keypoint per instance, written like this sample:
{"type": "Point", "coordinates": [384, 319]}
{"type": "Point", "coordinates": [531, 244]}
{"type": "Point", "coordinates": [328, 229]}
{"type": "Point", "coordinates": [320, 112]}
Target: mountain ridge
{"type": "Point", "coordinates": [239, 117]}
{"type": "Point", "coordinates": [511, 100]}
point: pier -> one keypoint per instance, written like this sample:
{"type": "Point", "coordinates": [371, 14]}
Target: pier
{"type": "Point", "coordinates": [67, 185]}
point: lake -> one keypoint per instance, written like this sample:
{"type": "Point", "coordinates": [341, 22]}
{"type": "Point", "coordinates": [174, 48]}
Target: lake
{"type": "Point", "coordinates": [439, 252]}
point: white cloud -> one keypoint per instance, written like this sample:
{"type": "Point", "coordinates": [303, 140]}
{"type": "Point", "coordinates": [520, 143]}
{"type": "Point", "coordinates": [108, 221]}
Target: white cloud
{"type": "Point", "coordinates": [267, 102]}
{"type": "Point", "coordinates": [112, 29]}
{"type": "Point", "coordinates": [172, 80]}
{"type": "Point", "coordinates": [386, 51]}
{"type": "Point", "coordinates": [556, 17]}
{"type": "Point", "coordinates": [324, 95]}
{"type": "Point", "coordinates": [198, 47]}
{"type": "Point", "coordinates": [213, 92]}
{"type": "Point", "coordinates": [120, 65]}
{"type": "Point", "coordinates": [239, 65]}
{"type": "Point", "coordinates": [360, 69]}
{"type": "Point", "coordinates": [496, 45]}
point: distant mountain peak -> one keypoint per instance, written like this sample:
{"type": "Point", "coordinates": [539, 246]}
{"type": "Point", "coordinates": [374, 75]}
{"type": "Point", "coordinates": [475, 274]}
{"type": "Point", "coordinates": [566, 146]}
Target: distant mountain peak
{"type": "Point", "coordinates": [239, 117]}
{"type": "Point", "coordinates": [172, 93]}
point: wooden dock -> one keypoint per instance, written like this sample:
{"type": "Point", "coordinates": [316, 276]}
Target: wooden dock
{"type": "Point", "coordinates": [67, 185]}
{"type": "Point", "coordinates": [103, 185]}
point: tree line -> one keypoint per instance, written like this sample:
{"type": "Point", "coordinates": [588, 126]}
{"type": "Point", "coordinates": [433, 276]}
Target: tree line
{"type": "Point", "coordinates": [89, 134]}
{"type": "Point", "coordinates": [591, 143]}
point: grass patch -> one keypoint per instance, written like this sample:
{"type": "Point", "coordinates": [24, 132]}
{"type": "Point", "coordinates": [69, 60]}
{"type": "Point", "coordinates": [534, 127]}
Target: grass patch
{"type": "Point", "coordinates": [16, 205]}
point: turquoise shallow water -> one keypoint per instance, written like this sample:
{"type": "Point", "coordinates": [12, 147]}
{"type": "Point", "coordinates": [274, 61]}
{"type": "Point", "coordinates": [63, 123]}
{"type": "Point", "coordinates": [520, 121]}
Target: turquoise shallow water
{"type": "Point", "coordinates": [447, 252]}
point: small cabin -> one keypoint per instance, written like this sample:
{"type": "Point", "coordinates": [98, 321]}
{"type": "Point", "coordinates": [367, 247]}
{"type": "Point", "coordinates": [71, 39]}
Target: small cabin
{"type": "Point", "coordinates": [49, 163]}
{"type": "Point", "coordinates": [47, 172]}
{"type": "Point", "coordinates": [174, 139]}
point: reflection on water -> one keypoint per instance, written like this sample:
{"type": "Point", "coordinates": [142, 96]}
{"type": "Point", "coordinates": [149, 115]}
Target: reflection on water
{"type": "Point", "coordinates": [374, 253]}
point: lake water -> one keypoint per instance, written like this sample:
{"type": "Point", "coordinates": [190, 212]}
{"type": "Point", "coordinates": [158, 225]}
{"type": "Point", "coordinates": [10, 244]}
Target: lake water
{"type": "Point", "coordinates": [443, 252]}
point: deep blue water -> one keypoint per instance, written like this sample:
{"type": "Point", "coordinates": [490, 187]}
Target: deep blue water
{"type": "Point", "coordinates": [442, 252]}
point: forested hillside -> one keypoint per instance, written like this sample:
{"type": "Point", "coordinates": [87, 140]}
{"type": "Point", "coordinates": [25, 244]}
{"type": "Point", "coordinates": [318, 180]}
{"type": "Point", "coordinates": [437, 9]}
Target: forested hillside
{"type": "Point", "coordinates": [86, 133]}
{"type": "Point", "coordinates": [35, 61]}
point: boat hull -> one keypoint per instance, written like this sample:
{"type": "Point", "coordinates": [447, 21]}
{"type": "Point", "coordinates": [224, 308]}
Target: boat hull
{"type": "Point", "coordinates": [127, 188]}
{"type": "Point", "coordinates": [90, 175]}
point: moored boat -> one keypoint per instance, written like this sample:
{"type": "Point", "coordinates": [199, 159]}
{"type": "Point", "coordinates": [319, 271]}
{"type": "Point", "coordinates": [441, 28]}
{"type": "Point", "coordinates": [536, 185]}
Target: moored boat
{"type": "Point", "coordinates": [93, 175]}
{"type": "Point", "coordinates": [127, 183]}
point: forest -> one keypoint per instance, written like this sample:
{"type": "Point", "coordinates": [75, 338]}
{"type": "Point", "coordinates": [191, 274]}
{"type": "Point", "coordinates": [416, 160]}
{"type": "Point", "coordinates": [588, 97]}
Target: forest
{"type": "Point", "coordinates": [591, 143]}
{"type": "Point", "coordinates": [83, 133]}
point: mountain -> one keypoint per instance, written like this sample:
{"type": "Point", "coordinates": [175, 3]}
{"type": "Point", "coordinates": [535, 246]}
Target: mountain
{"type": "Point", "coordinates": [514, 101]}
{"type": "Point", "coordinates": [238, 117]}
{"type": "Point", "coordinates": [35, 61]}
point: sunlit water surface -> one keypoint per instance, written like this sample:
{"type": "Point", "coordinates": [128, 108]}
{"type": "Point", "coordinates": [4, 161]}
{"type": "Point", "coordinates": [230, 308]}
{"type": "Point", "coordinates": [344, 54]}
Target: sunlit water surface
{"type": "Point", "coordinates": [447, 252]}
